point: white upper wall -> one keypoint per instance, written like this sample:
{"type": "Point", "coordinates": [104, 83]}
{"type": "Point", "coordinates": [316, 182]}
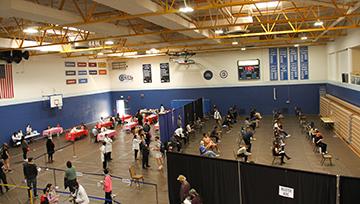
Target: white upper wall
{"type": "Point", "coordinates": [182, 76]}
{"type": "Point", "coordinates": [45, 75]}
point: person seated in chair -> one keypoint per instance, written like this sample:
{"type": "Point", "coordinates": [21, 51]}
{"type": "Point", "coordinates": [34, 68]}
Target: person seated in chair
{"type": "Point", "coordinates": [247, 135]}
{"type": "Point", "coordinates": [179, 132]}
{"type": "Point", "coordinates": [174, 142]}
{"type": "Point", "coordinates": [189, 130]}
{"type": "Point", "coordinates": [16, 138]}
{"type": "Point", "coordinates": [209, 144]}
{"type": "Point", "coordinates": [227, 122]}
{"type": "Point", "coordinates": [242, 152]}
{"type": "Point", "coordinates": [216, 134]}
{"type": "Point", "coordinates": [28, 129]}
{"type": "Point", "coordinates": [95, 133]}
{"type": "Point", "coordinates": [205, 152]}
{"type": "Point", "coordinates": [319, 143]}
{"type": "Point", "coordinates": [278, 126]}
{"type": "Point", "coordinates": [277, 150]}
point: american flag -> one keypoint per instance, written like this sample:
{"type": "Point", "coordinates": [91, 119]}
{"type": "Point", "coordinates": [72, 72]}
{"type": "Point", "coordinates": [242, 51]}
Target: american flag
{"type": "Point", "coordinates": [6, 81]}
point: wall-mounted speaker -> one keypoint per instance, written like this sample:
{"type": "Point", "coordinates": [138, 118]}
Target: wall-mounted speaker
{"type": "Point", "coordinates": [345, 77]}
{"type": "Point", "coordinates": [14, 56]}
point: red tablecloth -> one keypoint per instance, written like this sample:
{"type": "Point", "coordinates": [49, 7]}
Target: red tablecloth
{"type": "Point", "coordinates": [71, 136]}
{"type": "Point", "coordinates": [151, 118]}
{"type": "Point", "coordinates": [53, 131]}
{"type": "Point", "coordinates": [130, 125]}
{"type": "Point", "coordinates": [125, 117]}
{"type": "Point", "coordinates": [110, 133]}
{"type": "Point", "coordinates": [106, 124]}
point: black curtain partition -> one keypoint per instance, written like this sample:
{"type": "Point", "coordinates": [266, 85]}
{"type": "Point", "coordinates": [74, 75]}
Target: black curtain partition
{"type": "Point", "coordinates": [189, 113]}
{"type": "Point", "coordinates": [216, 180]}
{"type": "Point", "coordinates": [199, 108]}
{"type": "Point", "coordinates": [349, 190]}
{"type": "Point", "coordinates": [260, 184]}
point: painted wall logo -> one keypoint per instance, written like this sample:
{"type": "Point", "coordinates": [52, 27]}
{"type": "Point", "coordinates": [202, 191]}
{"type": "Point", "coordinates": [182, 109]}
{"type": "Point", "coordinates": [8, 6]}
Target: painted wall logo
{"type": "Point", "coordinates": [208, 75]}
{"type": "Point", "coordinates": [124, 77]}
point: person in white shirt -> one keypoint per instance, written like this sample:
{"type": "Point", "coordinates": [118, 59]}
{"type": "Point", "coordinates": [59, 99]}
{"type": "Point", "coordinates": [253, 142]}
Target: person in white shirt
{"type": "Point", "coordinates": [16, 139]}
{"type": "Point", "coordinates": [80, 195]}
{"type": "Point", "coordinates": [102, 155]}
{"type": "Point", "coordinates": [73, 130]}
{"type": "Point", "coordinates": [157, 153]}
{"type": "Point", "coordinates": [162, 108]}
{"type": "Point", "coordinates": [136, 145]}
{"type": "Point", "coordinates": [102, 119]}
{"type": "Point", "coordinates": [20, 134]}
{"type": "Point", "coordinates": [108, 147]}
{"type": "Point", "coordinates": [217, 117]}
{"type": "Point", "coordinates": [180, 134]}
{"type": "Point", "coordinates": [28, 129]}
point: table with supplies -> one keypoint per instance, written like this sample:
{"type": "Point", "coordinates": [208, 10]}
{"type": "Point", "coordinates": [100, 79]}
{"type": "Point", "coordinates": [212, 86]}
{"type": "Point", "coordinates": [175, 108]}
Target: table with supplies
{"type": "Point", "coordinates": [111, 134]}
{"type": "Point", "coordinates": [107, 124]}
{"type": "Point", "coordinates": [71, 136]}
{"type": "Point", "coordinates": [53, 131]}
{"type": "Point", "coordinates": [328, 122]}
{"type": "Point", "coordinates": [151, 118]}
{"type": "Point", "coordinates": [130, 125]}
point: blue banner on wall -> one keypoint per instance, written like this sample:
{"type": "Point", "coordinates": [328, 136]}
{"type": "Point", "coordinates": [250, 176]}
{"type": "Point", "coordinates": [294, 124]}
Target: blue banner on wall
{"type": "Point", "coordinates": [304, 63]}
{"type": "Point", "coordinates": [283, 63]}
{"type": "Point", "coordinates": [273, 64]}
{"type": "Point", "coordinates": [293, 55]}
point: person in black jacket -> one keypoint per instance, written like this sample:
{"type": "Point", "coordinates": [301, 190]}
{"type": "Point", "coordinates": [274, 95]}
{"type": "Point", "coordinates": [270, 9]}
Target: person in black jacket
{"type": "Point", "coordinates": [145, 154]}
{"type": "Point", "coordinates": [30, 173]}
{"type": "Point", "coordinates": [3, 177]}
{"type": "Point", "coordinates": [50, 148]}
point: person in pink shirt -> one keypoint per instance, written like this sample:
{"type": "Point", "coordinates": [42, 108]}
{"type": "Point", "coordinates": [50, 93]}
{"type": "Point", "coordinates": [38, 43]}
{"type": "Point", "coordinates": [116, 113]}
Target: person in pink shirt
{"type": "Point", "coordinates": [107, 187]}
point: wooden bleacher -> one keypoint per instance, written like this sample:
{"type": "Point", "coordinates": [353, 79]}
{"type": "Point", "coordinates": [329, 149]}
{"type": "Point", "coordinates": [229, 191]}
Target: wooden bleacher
{"type": "Point", "coordinates": [346, 119]}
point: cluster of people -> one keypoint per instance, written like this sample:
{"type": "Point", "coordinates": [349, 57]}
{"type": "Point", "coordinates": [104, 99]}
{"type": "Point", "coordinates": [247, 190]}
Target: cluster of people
{"type": "Point", "coordinates": [17, 136]}
{"type": "Point", "coordinates": [187, 194]}
{"type": "Point", "coordinates": [280, 136]}
{"type": "Point", "coordinates": [229, 119]}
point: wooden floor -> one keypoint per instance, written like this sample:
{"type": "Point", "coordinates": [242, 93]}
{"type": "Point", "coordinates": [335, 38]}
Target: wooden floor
{"type": "Point", "coordinates": [87, 159]}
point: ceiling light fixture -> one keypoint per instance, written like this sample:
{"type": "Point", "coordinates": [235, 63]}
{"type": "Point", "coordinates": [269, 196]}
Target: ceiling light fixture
{"type": "Point", "coordinates": [109, 42]}
{"type": "Point", "coordinates": [235, 43]}
{"type": "Point", "coordinates": [243, 48]}
{"type": "Point", "coordinates": [318, 23]}
{"type": "Point", "coordinates": [186, 8]}
{"type": "Point", "coordinates": [304, 38]}
{"type": "Point", "coordinates": [100, 54]}
{"type": "Point", "coordinates": [31, 30]}
{"type": "Point", "coordinates": [219, 31]}
{"type": "Point", "coordinates": [296, 45]}
{"type": "Point", "coordinates": [152, 51]}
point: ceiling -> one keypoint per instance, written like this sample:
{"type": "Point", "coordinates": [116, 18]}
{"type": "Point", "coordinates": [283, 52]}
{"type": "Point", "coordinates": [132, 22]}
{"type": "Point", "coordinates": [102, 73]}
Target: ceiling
{"type": "Point", "coordinates": [74, 28]}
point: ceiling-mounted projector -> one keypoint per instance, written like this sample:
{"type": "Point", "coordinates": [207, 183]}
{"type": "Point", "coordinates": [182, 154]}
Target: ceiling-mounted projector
{"type": "Point", "coordinates": [236, 30]}
{"type": "Point", "coordinates": [185, 61]}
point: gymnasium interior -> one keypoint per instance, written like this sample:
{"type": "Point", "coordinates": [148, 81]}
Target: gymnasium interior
{"type": "Point", "coordinates": [223, 101]}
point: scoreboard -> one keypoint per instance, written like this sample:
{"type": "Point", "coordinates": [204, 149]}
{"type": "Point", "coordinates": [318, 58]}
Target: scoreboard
{"type": "Point", "coordinates": [248, 69]}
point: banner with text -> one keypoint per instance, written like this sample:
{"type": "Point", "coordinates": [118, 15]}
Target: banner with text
{"type": "Point", "coordinates": [293, 55]}
{"type": "Point", "coordinates": [283, 63]}
{"type": "Point", "coordinates": [273, 64]}
{"type": "Point", "coordinates": [164, 72]}
{"type": "Point", "coordinates": [147, 73]}
{"type": "Point", "coordinates": [304, 63]}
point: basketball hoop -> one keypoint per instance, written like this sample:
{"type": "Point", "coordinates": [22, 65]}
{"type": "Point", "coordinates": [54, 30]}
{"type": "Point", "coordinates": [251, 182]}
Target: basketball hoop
{"type": "Point", "coordinates": [56, 103]}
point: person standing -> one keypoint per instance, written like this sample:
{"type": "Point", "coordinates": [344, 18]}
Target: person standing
{"type": "Point", "coordinates": [145, 155]}
{"type": "Point", "coordinates": [184, 188]}
{"type": "Point", "coordinates": [24, 147]}
{"type": "Point", "coordinates": [30, 173]}
{"type": "Point", "coordinates": [50, 148]}
{"type": "Point", "coordinates": [157, 153]}
{"type": "Point", "coordinates": [108, 147]}
{"type": "Point", "coordinates": [195, 197]}
{"type": "Point", "coordinates": [5, 155]}
{"type": "Point", "coordinates": [28, 129]}
{"type": "Point", "coordinates": [103, 155]}
{"type": "Point", "coordinates": [107, 187]}
{"type": "Point", "coordinates": [79, 195]}
{"type": "Point", "coordinates": [136, 145]}
{"type": "Point", "coordinates": [217, 117]}
{"type": "Point", "coordinates": [70, 177]}
{"type": "Point", "coordinates": [3, 177]}
{"type": "Point", "coordinates": [139, 118]}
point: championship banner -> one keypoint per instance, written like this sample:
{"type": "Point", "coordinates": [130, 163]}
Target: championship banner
{"type": "Point", "coordinates": [70, 64]}
{"type": "Point", "coordinates": [283, 63]}
{"type": "Point", "coordinates": [273, 64]}
{"type": "Point", "coordinates": [81, 64]}
{"type": "Point", "coordinates": [102, 72]}
{"type": "Point", "coordinates": [83, 81]}
{"type": "Point", "coordinates": [147, 73]}
{"type": "Point", "coordinates": [82, 72]}
{"type": "Point", "coordinates": [293, 55]}
{"type": "Point", "coordinates": [70, 72]}
{"type": "Point", "coordinates": [164, 72]}
{"type": "Point", "coordinates": [92, 64]}
{"type": "Point", "coordinates": [304, 63]}
{"type": "Point", "coordinates": [102, 64]}
{"type": "Point", "coordinates": [93, 72]}
{"type": "Point", "coordinates": [70, 81]}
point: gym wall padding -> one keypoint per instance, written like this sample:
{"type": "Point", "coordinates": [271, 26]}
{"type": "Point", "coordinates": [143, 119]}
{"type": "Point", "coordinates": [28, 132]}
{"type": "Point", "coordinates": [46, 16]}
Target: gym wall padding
{"type": "Point", "coordinates": [349, 190]}
{"type": "Point", "coordinates": [260, 184]}
{"type": "Point", "coordinates": [214, 179]}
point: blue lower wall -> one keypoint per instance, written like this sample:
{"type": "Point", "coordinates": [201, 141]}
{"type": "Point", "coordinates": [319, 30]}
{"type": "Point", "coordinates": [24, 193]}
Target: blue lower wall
{"type": "Point", "coordinates": [261, 97]}
{"type": "Point", "coordinates": [349, 95]}
{"type": "Point", "coordinates": [77, 109]}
